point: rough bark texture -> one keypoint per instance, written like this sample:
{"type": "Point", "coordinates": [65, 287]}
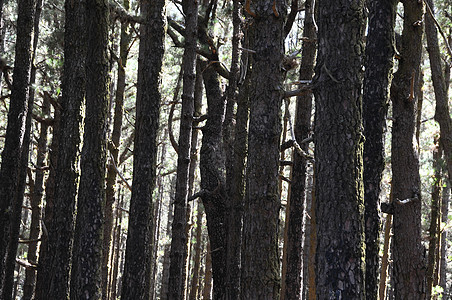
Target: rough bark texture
{"type": "Point", "coordinates": [236, 153]}
{"type": "Point", "coordinates": [138, 264]}
{"type": "Point", "coordinates": [442, 115]}
{"type": "Point", "coordinates": [49, 197]}
{"type": "Point", "coordinates": [194, 290]}
{"type": "Point", "coordinates": [377, 79]}
{"type": "Point", "coordinates": [15, 148]}
{"type": "Point", "coordinates": [212, 168]}
{"type": "Point", "coordinates": [338, 151]}
{"type": "Point", "coordinates": [260, 255]}
{"type": "Point", "coordinates": [296, 209]}
{"type": "Point", "coordinates": [179, 239]}
{"type": "Point", "coordinates": [86, 269]}
{"type": "Point", "coordinates": [110, 189]}
{"type": "Point", "coordinates": [408, 252]}
{"type": "Point", "coordinates": [54, 266]}
{"type": "Point", "coordinates": [435, 218]}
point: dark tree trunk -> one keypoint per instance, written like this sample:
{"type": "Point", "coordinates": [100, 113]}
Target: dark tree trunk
{"type": "Point", "coordinates": [408, 252]}
{"type": "Point", "coordinates": [165, 265]}
{"type": "Point", "coordinates": [138, 264]}
{"type": "Point", "coordinates": [86, 269]}
{"type": "Point", "coordinates": [236, 154]}
{"type": "Point", "coordinates": [15, 151]}
{"type": "Point", "coordinates": [212, 169]}
{"type": "Point", "coordinates": [47, 217]}
{"type": "Point", "coordinates": [260, 255]}
{"type": "Point", "coordinates": [435, 219]}
{"type": "Point", "coordinates": [194, 290]}
{"type": "Point", "coordinates": [110, 189]}
{"type": "Point", "coordinates": [377, 79]}
{"type": "Point", "coordinates": [54, 266]}
{"type": "Point", "coordinates": [296, 209]}
{"type": "Point", "coordinates": [442, 115]}
{"type": "Point", "coordinates": [338, 151]}
{"type": "Point", "coordinates": [443, 240]}
{"type": "Point", "coordinates": [38, 186]}
{"type": "Point", "coordinates": [176, 285]}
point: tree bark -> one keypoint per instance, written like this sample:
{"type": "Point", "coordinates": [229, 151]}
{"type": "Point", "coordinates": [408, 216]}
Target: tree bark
{"type": "Point", "coordinates": [260, 254]}
{"type": "Point", "coordinates": [179, 238]}
{"type": "Point", "coordinates": [15, 151]}
{"type": "Point", "coordinates": [54, 266]}
{"type": "Point", "coordinates": [338, 151]}
{"type": "Point", "coordinates": [377, 80]}
{"type": "Point", "coordinates": [442, 115]}
{"type": "Point", "coordinates": [408, 252]}
{"type": "Point", "coordinates": [212, 169]}
{"type": "Point", "coordinates": [138, 264]}
{"type": "Point", "coordinates": [296, 205]}
{"type": "Point", "coordinates": [86, 269]}
{"type": "Point", "coordinates": [434, 220]}
{"type": "Point", "coordinates": [110, 189]}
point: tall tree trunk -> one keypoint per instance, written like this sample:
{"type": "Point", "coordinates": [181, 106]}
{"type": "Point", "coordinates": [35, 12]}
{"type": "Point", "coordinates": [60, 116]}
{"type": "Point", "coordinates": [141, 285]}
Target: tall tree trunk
{"type": "Point", "coordinates": [235, 176]}
{"type": "Point", "coordinates": [110, 189]}
{"type": "Point", "coordinates": [176, 285]}
{"type": "Point", "coordinates": [38, 187]}
{"type": "Point", "coordinates": [442, 115]}
{"type": "Point", "coordinates": [296, 205]}
{"type": "Point", "coordinates": [444, 234]}
{"type": "Point", "coordinates": [86, 269]}
{"type": "Point", "coordinates": [166, 259]}
{"type": "Point", "coordinates": [35, 201]}
{"type": "Point", "coordinates": [338, 151]}
{"type": "Point", "coordinates": [212, 169]}
{"type": "Point", "coordinates": [13, 166]}
{"type": "Point", "coordinates": [434, 220]}
{"type": "Point", "coordinates": [408, 252]}
{"type": "Point", "coordinates": [260, 255]}
{"type": "Point", "coordinates": [48, 215]}
{"type": "Point", "coordinates": [54, 266]}
{"type": "Point", "coordinates": [138, 264]}
{"type": "Point", "coordinates": [377, 79]}
{"type": "Point", "coordinates": [194, 290]}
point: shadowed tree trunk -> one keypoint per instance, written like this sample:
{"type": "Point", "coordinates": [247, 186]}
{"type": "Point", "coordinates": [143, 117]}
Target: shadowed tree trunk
{"type": "Point", "coordinates": [377, 79]}
{"type": "Point", "coordinates": [435, 219]}
{"type": "Point", "coordinates": [212, 169]}
{"type": "Point", "coordinates": [236, 145]}
{"type": "Point", "coordinates": [15, 151]}
{"type": "Point", "coordinates": [176, 285]}
{"type": "Point", "coordinates": [86, 269]}
{"type": "Point", "coordinates": [442, 115]}
{"type": "Point", "coordinates": [260, 255]}
{"type": "Point", "coordinates": [408, 252]}
{"type": "Point", "coordinates": [54, 266]}
{"type": "Point", "coordinates": [296, 205]}
{"type": "Point", "coordinates": [138, 262]}
{"type": "Point", "coordinates": [110, 189]}
{"type": "Point", "coordinates": [37, 191]}
{"type": "Point", "coordinates": [338, 151]}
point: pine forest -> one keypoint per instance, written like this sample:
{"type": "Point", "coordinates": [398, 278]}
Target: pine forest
{"type": "Point", "coordinates": [225, 149]}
